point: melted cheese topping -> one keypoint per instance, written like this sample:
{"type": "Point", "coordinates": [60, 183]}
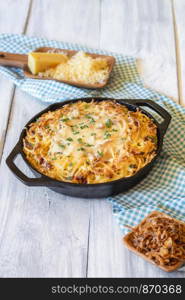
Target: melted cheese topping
{"type": "Point", "coordinates": [91, 142]}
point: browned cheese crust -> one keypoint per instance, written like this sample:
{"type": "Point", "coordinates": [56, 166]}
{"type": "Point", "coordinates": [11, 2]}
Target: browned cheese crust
{"type": "Point", "coordinates": [91, 142]}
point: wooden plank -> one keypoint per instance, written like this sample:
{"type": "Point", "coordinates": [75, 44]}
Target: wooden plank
{"type": "Point", "coordinates": [179, 10]}
{"type": "Point", "coordinates": [107, 255]}
{"type": "Point", "coordinates": [46, 234]}
{"type": "Point", "coordinates": [9, 24]}
{"type": "Point", "coordinates": [75, 21]}
{"type": "Point", "coordinates": [143, 29]}
{"type": "Point", "coordinates": [43, 233]}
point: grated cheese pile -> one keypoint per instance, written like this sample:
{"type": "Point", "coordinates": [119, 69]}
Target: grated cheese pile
{"type": "Point", "coordinates": [81, 67]}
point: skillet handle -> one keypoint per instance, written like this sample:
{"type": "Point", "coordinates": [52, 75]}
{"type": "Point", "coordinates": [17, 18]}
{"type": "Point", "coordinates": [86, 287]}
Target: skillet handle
{"type": "Point", "coordinates": [157, 108]}
{"type": "Point", "coordinates": [13, 59]}
{"type": "Point", "coordinates": [18, 173]}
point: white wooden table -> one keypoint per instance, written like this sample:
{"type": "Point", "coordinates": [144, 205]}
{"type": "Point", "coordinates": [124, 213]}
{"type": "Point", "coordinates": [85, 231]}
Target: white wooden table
{"type": "Point", "coordinates": [44, 234]}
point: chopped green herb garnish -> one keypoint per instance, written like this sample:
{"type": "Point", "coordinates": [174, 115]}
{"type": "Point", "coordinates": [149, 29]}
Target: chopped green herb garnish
{"type": "Point", "coordinates": [84, 126]}
{"type": "Point", "coordinates": [100, 153]}
{"type": "Point", "coordinates": [76, 132]}
{"type": "Point", "coordinates": [62, 146]}
{"type": "Point", "coordinates": [86, 106]}
{"type": "Point", "coordinates": [93, 133]}
{"type": "Point", "coordinates": [54, 158]}
{"type": "Point", "coordinates": [88, 116]}
{"type": "Point", "coordinates": [80, 140]}
{"type": "Point", "coordinates": [69, 139]}
{"type": "Point", "coordinates": [115, 130]}
{"type": "Point", "coordinates": [88, 145]}
{"type": "Point", "coordinates": [132, 166]}
{"type": "Point", "coordinates": [81, 149]}
{"type": "Point", "coordinates": [46, 126]}
{"type": "Point", "coordinates": [154, 139]}
{"type": "Point", "coordinates": [107, 135]}
{"type": "Point", "coordinates": [108, 123]}
{"type": "Point", "coordinates": [74, 126]}
{"type": "Point", "coordinates": [69, 177]}
{"type": "Point", "coordinates": [64, 119]}
{"type": "Point", "coordinates": [92, 121]}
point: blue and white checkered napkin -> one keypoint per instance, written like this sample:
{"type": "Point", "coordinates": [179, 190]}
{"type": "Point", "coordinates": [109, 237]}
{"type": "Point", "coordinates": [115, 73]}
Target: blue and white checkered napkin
{"type": "Point", "coordinates": [164, 188]}
{"type": "Point", "coordinates": [52, 91]}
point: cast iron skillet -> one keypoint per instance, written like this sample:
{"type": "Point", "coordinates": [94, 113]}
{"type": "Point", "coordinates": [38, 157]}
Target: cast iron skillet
{"type": "Point", "coordinates": [98, 190]}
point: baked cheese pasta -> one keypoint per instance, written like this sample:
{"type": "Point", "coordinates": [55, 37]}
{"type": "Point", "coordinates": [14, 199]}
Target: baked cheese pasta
{"type": "Point", "coordinates": [91, 142]}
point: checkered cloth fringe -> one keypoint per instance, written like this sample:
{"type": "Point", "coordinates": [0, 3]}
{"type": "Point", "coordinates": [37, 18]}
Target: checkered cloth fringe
{"type": "Point", "coordinates": [164, 188]}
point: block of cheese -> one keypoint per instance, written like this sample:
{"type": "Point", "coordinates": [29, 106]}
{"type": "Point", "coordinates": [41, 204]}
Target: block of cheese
{"type": "Point", "coordinates": [41, 61]}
